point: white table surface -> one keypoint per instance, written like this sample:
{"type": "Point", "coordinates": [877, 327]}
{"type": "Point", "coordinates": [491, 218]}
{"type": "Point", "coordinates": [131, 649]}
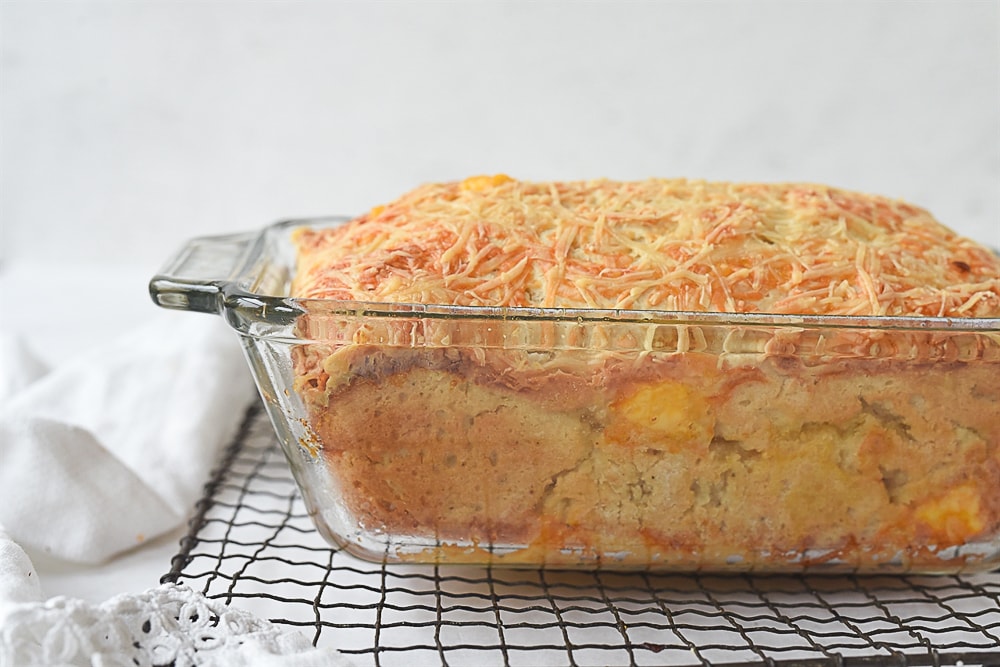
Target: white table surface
{"type": "Point", "coordinates": [73, 308]}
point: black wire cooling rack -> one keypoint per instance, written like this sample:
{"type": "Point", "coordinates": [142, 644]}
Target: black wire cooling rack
{"type": "Point", "coordinates": [251, 544]}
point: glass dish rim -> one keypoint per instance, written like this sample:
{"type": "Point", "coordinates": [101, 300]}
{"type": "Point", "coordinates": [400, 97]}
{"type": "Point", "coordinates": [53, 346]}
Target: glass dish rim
{"type": "Point", "coordinates": [235, 294]}
{"type": "Point", "coordinates": [239, 298]}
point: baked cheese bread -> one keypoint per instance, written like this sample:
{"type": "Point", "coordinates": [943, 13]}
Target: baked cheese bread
{"type": "Point", "coordinates": [640, 441]}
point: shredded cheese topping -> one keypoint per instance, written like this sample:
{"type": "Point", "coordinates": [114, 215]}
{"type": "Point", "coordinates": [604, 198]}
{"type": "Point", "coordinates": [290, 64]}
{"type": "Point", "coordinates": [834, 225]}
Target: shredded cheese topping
{"type": "Point", "coordinates": [666, 244]}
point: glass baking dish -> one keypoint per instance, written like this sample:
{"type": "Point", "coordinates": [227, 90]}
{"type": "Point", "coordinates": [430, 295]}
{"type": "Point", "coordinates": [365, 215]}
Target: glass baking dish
{"type": "Point", "coordinates": [616, 439]}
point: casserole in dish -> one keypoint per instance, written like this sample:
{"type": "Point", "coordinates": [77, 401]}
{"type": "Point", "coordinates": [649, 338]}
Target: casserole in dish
{"type": "Point", "coordinates": [671, 375]}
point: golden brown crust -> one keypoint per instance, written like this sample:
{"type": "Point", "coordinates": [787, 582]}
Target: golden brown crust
{"type": "Point", "coordinates": [669, 244]}
{"type": "Point", "coordinates": [651, 444]}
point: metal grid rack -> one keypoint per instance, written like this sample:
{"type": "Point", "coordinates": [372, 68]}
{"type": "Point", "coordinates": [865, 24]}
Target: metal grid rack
{"type": "Point", "coordinates": [251, 544]}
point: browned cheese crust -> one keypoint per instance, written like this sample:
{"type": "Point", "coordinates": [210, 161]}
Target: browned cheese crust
{"type": "Point", "coordinates": [856, 447]}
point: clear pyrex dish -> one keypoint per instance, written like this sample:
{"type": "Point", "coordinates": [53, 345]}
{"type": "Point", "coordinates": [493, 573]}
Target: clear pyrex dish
{"type": "Point", "coordinates": [616, 439]}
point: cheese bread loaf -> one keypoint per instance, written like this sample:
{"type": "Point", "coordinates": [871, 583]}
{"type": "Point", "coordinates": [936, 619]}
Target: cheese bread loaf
{"type": "Point", "coordinates": [666, 374]}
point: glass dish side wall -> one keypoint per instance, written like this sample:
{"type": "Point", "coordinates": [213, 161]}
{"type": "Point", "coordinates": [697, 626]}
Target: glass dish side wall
{"type": "Point", "coordinates": [658, 445]}
{"type": "Point", "coordinates": [666, 440]}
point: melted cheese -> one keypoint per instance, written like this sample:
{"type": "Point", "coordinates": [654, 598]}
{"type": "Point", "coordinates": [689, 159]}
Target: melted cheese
{"type": "Point", "coordinates": [954, 517]}
{"type": "Point", "coordinates": [668, 244]}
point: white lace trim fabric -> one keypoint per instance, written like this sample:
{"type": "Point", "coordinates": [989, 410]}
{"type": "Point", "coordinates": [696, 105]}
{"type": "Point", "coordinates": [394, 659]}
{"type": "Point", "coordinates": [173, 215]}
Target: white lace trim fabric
{"type": "Point", "coordinates": [168, 625]}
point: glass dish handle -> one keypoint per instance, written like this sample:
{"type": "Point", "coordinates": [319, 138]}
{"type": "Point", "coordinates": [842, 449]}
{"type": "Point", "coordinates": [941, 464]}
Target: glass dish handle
{"type": "Point", "coordinates": [193, 279]}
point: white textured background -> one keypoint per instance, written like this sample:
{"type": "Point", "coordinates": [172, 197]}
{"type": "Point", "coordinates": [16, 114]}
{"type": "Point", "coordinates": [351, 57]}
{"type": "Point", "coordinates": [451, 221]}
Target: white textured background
{"type": "Point", "coordinates": [128, 126]}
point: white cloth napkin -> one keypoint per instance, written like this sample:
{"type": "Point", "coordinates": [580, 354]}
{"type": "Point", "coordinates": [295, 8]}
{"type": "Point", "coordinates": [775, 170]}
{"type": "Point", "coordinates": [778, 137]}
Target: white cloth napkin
{"type": "Point", "coordinates": [18, 579]}
{"type": "Point", "coordinates": [166, 625]}
{"type": "Point", "coordinates": [114, 447]}
{"type": "Point", "coordinates": [97, 456]}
